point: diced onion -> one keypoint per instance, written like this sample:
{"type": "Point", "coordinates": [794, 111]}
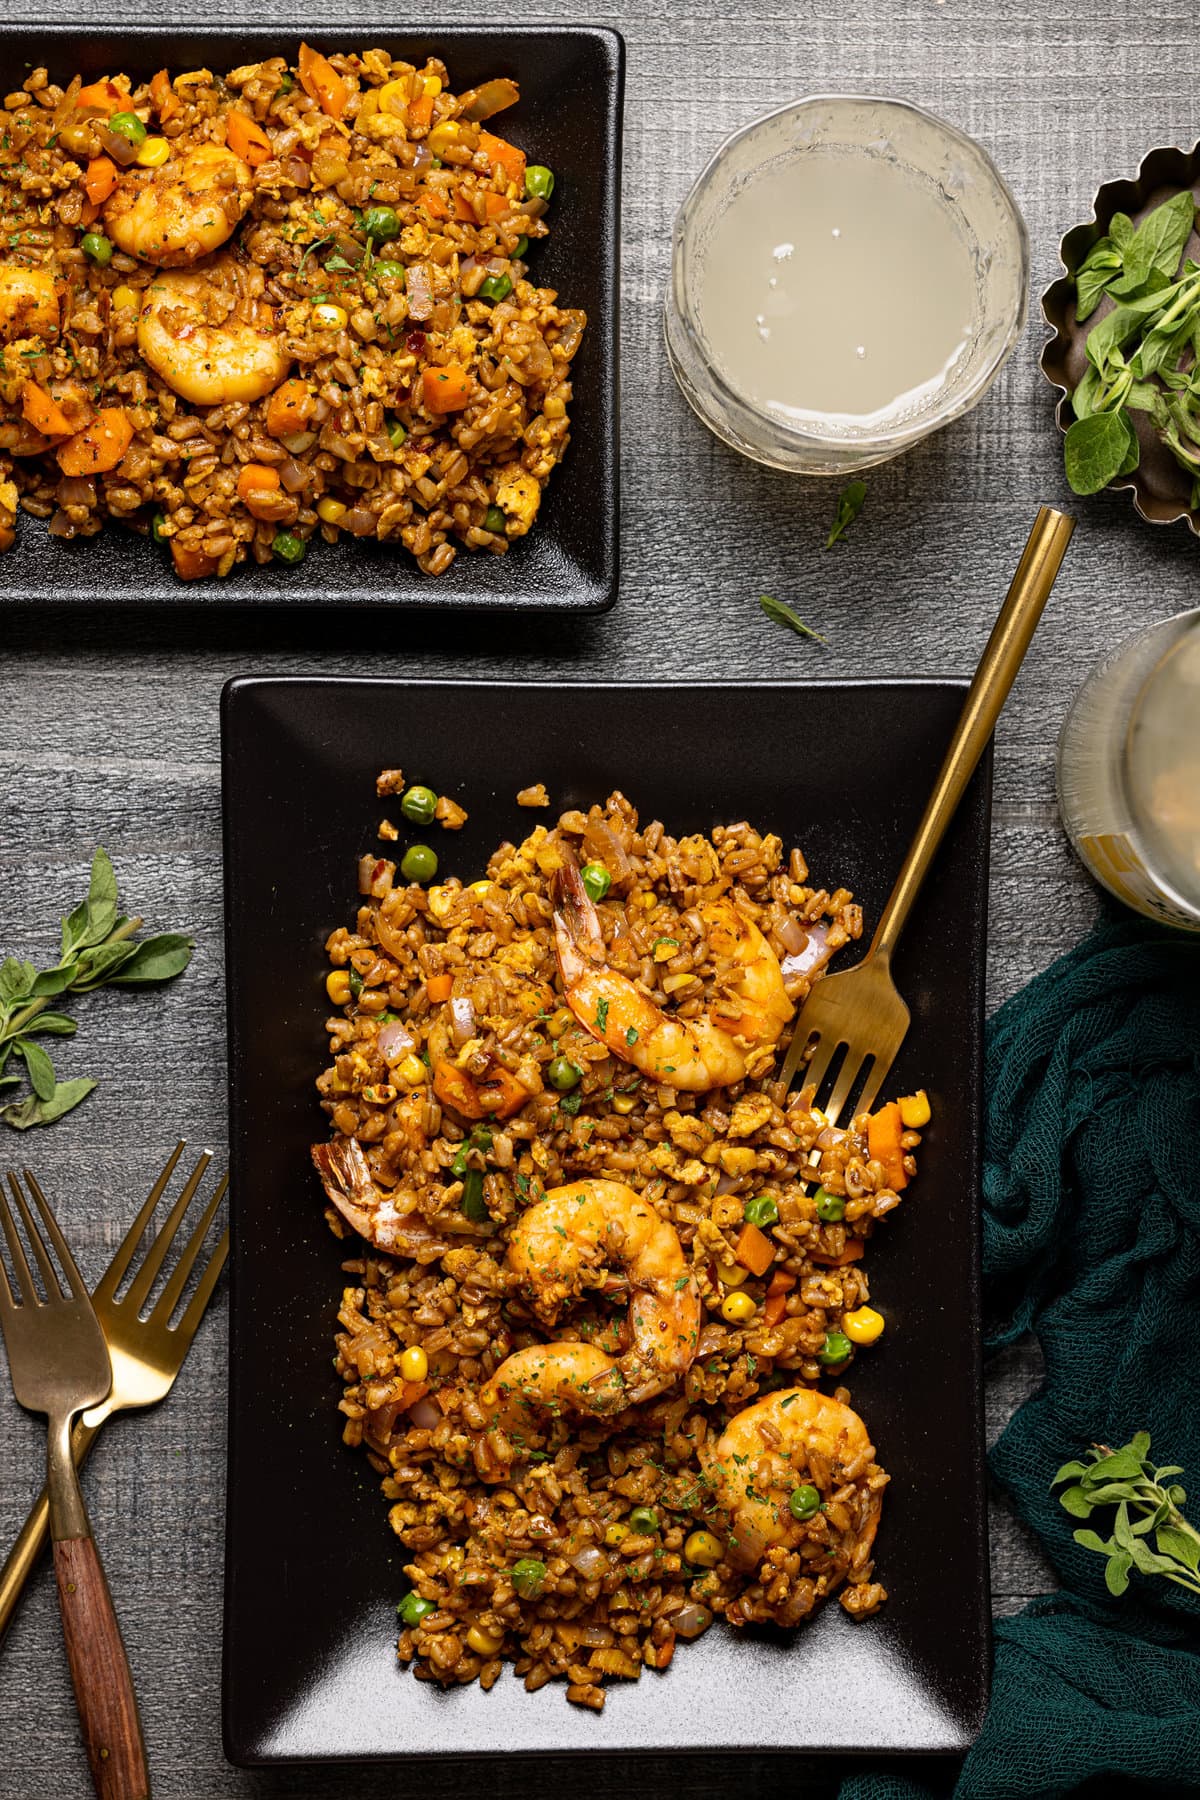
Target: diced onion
{"type": "Point", "coordinates": [292, 475]}
{"type": "Point", "coordinates": [299, 442]}
{"type": "Point", "coordinates": [690, 1620]}
{"type": "Point", "coordinates": [791, 934]}
{"type": "Point", "coordinates": [601, 844]}
{"type": "Point", "coordinates": [424, 1413]}
{"type": "Point", "coordinates": [813, 956]}
{"type": "Point", "coordinates": [395, 1041]}
{"type": "Point", "coordinates": [591, 1563]}
{"type": "Point", "coordinates": [462, 1019]}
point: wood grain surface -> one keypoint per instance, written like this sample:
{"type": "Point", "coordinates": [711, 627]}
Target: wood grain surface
{"type": "Point", "coordinates": [108, 733]}
{"type": "Point", "coordinates": [108, 1712]}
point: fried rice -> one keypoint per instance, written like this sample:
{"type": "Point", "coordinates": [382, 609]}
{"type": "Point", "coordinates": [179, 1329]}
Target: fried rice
{"type": "Point", "coordinates": [577, 1538]}
{"type": "Point", "coordinates": [241, 311]}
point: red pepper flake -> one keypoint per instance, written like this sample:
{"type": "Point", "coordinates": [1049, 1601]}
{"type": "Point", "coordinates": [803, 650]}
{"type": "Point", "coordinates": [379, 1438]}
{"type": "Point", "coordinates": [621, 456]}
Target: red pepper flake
{"type": "Point", "coordinates": [415, 341]}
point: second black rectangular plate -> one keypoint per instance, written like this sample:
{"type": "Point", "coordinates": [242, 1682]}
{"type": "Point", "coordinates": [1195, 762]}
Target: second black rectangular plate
{"type": "Point", "coordinates": [313, 1571]}
{"type": "Point", "coordinates": [569, 117]}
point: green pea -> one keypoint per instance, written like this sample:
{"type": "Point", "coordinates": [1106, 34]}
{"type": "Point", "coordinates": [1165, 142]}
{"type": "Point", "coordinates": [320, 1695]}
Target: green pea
{"type": "Point", "coordinates": [596, 880]}
{"type": "Point", "coordinates": [522, 248]}
{"type": "Point", "coordinates": [836, 1349]}
{"type": "Point", "coordinates": [419, 863]}
{"type": "Point", "coordinates": [381, 223]}
{"type": "Point", "coordinates": [473, 1204]}
{"type": "Point", "coordinates": [563, 1074]}
{"type": "Point", "coordinates": [643, 1520]}
{"type": "Point", "coordinates": [128, 126]}
{"type": "Point", "coordinates": [396, 433]}
{"type": "Point", "coordinates": [496, 287]}
{"type": "Point", "coordinates": [413, 1608]}
{"type": "Point", "coordinates": [528, 1576]}
{"type": "Point", "coordinates": [539, 181]}
{"type": "Point", "coordinates": [388, 271]}
{"type": "Point", "coordinates": [493, 519]}
{"type": "Point", "coordinates": [419, 805]}
{"type": "Point", "coordinates": [158, 525]}
{"type": "Point", "coordinates": [287, 548]}
{"type": "Point", "coordinates": [97, 246]}
{"type": "Point", "coordinates": [762, 1211]}
{"type": "Point", "coordinates": [831, 1208]}
{"type": "Point", "coordinates": [286, 84]}
{"type": "Point", "coordinates": [804, 1502]}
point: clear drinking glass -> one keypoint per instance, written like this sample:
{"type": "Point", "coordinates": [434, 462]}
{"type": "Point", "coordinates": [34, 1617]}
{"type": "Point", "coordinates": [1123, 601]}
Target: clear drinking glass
{"type": "Point", "coordinates": [987, 217]}
{"type": "Point", "coordinates": [1129, 772]}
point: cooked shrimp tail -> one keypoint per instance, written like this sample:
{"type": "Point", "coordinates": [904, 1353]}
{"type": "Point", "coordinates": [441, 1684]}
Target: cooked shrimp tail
{"type": "Point", "coordinates": [351, 1189]}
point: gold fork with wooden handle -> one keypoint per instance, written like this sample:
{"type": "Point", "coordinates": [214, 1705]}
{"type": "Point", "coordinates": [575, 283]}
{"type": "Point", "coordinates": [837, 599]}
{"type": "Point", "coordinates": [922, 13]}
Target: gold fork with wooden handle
{"type": "Point", "coordinates": [861, 1008]}
{"type": "Point", "coordinates": [59, 1364]}
{"type": "Point", "coordinates": [147, 1354]}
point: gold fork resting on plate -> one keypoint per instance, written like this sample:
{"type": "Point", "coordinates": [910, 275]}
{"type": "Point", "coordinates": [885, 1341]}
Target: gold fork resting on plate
{"type": "Point", "coordinates": [147, 1354]}
{"type": "Point", "coordinates": [59, 1364]}
{"type": "Point", "coordinates": [861, 1008]}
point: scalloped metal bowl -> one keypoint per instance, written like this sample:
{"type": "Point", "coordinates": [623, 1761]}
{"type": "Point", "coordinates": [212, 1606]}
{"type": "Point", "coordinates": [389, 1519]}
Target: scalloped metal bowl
{"type": "Point", "coordinates": [1161, 490]}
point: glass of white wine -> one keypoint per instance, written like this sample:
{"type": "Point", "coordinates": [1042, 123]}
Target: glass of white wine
{"type": "Point", "coordinates": [1129, 772]}
{"type": "Point", "coordinates": [847, 275]}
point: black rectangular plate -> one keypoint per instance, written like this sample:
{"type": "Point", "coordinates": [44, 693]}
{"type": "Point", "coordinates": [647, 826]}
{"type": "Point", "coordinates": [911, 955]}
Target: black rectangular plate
{"type": "Point", "coordinates": [569, 116]}
{"type": "Point", "coordinates": [313, 1571]}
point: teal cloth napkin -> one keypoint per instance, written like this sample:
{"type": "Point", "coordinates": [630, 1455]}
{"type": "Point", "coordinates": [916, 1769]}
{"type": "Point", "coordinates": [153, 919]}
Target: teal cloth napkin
{"type": "Point", "coordinates": [1091, 1240]}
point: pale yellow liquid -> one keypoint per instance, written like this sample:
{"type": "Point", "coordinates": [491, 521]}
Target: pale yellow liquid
{"type": "Point", "coordinates": [838, 291]}
{"type": "Point", "coordinates": [1163, 766]}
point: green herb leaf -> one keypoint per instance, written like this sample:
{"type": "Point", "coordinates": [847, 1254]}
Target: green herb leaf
{"type": "Point", "coordinates": [50, 982]}
{"type": "Point", "coordinates": [16, 979]}
{"type": "Point", "coordinates": [1095, 450]}
{"type": "Point", "coordinates": [1116, 1573]}
{"type": "Point", "coordinates": [95, 967]}
{"type": "Point", "coordinates": [52, 1024]}
{"type": "Point", "coordinates": [41, 1069]}
{"type": "Point", "coordinates": [32, 1111]}
{"type": "Point", "coordinates": [1076, 1502]}
{"type": "Point", "coordinates": [850, 504]}
{"type": "Point", "coordinates": [781, 614]}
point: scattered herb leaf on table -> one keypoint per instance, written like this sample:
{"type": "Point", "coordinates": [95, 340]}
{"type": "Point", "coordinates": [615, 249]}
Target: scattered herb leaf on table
{"type": "Point", "coordinates": [782, 614]}
{"type": "Point", "coordinates": [97, 950]}
{"type": "Point", "coordinates": [850, 504]}
{"type": "Point", "coordinates": [1147, 1502]}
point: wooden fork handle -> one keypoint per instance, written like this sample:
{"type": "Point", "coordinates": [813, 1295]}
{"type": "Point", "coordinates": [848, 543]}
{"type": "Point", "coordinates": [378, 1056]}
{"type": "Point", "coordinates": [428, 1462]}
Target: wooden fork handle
{"type": "Point", "coordinates": [34, 1535]}
{"type": "Point", "coordinates": [1005, 651]}
{"type": "Point", "coordinates": [108, 1713]}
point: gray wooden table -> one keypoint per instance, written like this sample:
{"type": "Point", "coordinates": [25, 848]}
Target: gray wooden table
{"type": "Point", "coordinates": [108, 734]}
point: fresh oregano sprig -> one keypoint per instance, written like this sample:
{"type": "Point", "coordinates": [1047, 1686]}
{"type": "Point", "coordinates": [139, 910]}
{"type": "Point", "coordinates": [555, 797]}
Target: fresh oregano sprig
{"type": "Point", "coordinates": [1147, 1503]}
{"type": "Point", "coordinates": [97, 950]}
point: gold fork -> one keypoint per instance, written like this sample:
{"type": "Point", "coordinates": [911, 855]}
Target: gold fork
{"type": "Point", "coordinates": [59, 1364]}
{"type": "Point", "coordinates": [147, 1354]}
{"type": "Point", "coordinates": [861, 1008]}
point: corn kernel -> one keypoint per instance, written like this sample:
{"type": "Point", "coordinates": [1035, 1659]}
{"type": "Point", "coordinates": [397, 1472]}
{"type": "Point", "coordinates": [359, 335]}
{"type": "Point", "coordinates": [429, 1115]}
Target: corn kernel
{"type": "Point", "coordinates": [328, 317]}
{"type": "Point", "coordinates": [414, 1364]}
{"type": "Point", "coordinates": [614, 1534]}
{"type": "Point", "coordinates": [393, 97]}
{"type": "Point", "coordinates": [649, 901]}
{"type": "Point", "coordinates": [484, 1643]}
{"type": "Point", "coordinates": [431, 86]}
{"type": "Point", "coordinates": [330, 511]}
{"type": "Point", "coordinates": [337, 986]}
{"type": "Point", "coordinates": [444, 136]}
{"type": "Point", "coordinates": [125, 298]}
{"type": "Point", "coordinates": [673, 983]}
{"type": "Point", "coordinates": [624, 1104]}
{"type": "Point", "coordinates": [703, 1549]}
{"type": "Point", "coordinates": [558, 1021]}
{"type": "Point", "coordinates": [915, 1110]}
{"type": "Point", "coordinates": [412, 1071]}
{"type": "Point", "coordinates": [153, 153]}
{"type": "Point", "coordinates": [737, 1308]}
{"type": "Point", "coordinates": [480, 887]}
{"type": "Point", "coordinates": [731, 1275]}
{"type": "Point", "coordinates": [863, 1325]}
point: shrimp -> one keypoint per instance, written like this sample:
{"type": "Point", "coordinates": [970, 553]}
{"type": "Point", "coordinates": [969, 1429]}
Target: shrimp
{"type": "Point", "coordinates": [693, 1054]}
{"type": "Point", "coordinates": [495, 1093]}
{"type": "Point", "coordinates": [176, 214]}
{"type": "Point", "coordinates": [207, 363]}
{"type": "Point", "coordinates": [552, 1378]}
{"type": "Point", "coordinates": [28, 302]}
{"type": "Point", "coordinates": [376, 1216]}
{"type": "Point", "coordinates": [589, 1223]}
{"type": "Point", "coordinates": [793, 1437]}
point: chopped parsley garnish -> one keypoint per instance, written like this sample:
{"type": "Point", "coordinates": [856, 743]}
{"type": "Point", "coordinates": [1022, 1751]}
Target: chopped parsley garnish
{"type": "Point", "coordinates": [601, 1015]}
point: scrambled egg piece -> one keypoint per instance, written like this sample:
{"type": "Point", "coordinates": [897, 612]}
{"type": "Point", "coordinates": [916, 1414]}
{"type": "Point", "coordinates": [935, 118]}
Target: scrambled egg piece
{"type": "Point", "coordinates": [518, 497]}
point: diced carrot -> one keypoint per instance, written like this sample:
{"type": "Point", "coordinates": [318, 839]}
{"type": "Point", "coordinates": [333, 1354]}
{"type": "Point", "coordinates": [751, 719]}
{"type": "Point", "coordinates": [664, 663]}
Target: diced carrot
{"type": "Point", "coordinates": [166, 100]}
{"type": "Point", "coordinates": [411, 1392]}
{"type": "Point", "coordinates": [102, 96]}
{"type": "Point", "coordinates": [463, 208]}
{"type": "Point", "coordinates": [438, 988]}
{"type": "Point", "coordinates": [99, 446]}
{"type": "Point", "coordinates": [247, 139]}
{"type": "Point", "coordinates": [192, 565]}
{"type": "Point", "coordinates": [322, 83]}
{"type": "Point", "coordinates": [781, 1283]}
{"type": "Point", "coordinates": [496, 205]}
{"type": "Point", "coordinates": [774, 1307]}
{"type": "Point", "coordinates": [290, 408]}
{"type": "Point", "coordinates": [257, 486]}
{"type": "Point", "coordinates": [500, 152]}
{"type": "Point", "coordinates": [89, 212]}
{"type": "Point", "coordinates": [884, 1131]}
{"type": "Point", "coordinates": [852, 1253]}
{"type": "Point", "coordinates": [446, 389]}
{"type": "Point", "coordinates": [754, 1251]}
{"type": "Point", "coordinates": [44, 413]}
{"type": "Point", "coordinates": [420, 112]}
{"type": "Point", "coordinates": [432, 203]}
{"type": "Point", "coordinates": [99, 179]}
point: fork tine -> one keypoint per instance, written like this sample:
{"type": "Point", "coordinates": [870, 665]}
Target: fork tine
{"type": "Point", "coordinates": [203, 1294]}
{"type": "Point", "coordinates": [875, 1080]}
{"type": "Point", "coordinates": [144, 1280]}
{"type": "Point", "coordinates": [818, 1066]}
{"type": "Point", "coordinates": [24, 1281]}
{"type": "Point", "coordinates": [115, 1271]}
{"type": "Point", "coordinates": [167, 1301]}
{"type": "Point", "coordinates": [849, 1073]}
{"type": "Point", "coordinates": [49, 1272]}
{"type": "Point", "coordinates": [62, 1249]}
